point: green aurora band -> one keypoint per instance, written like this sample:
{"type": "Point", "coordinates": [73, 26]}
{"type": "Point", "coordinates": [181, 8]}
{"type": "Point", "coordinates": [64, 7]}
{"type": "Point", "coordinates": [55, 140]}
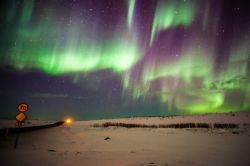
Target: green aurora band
{"type": "Point", "coordinates": [191, 85]}
{"type": "Point", "coordinates": [119, 53]}
{"type": "Point", "coordinates": [131, 8]}
{"type": "Point", "coordinates": [188, 83]}
{"type": "Point", "coordinates": [172, 14]}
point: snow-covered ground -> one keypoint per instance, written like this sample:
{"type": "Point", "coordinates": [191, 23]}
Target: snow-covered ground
{"type": "Point", "coordinates": [80, 144]}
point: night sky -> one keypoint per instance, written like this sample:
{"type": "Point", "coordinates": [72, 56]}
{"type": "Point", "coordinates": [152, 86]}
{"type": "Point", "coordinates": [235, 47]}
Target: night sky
{"type": "Point", "coordinates": [93, 59]}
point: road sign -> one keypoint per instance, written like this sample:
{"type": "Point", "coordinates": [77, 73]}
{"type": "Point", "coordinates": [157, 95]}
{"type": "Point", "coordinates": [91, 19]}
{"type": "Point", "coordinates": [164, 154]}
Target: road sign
{"type": "Point", "coordinates": [20, 117]}
{"type": "Point", "coordinates": [23, 107]}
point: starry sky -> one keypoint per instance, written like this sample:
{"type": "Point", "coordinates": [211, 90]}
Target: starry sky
{"type": "Point", "coordinates": [93, 59]}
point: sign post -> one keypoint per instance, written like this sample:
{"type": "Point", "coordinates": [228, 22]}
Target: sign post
{"type": "Point", "coordinates": [17, 136]}
{"type": "Point", "coordinates": [20, 117]}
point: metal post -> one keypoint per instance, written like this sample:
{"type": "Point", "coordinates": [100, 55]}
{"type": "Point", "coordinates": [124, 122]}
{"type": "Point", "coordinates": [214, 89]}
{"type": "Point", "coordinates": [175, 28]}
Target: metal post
{"type": "Point", "coordinates": [17, 135]}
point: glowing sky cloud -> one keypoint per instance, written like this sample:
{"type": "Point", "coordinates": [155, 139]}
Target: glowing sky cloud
{"type": "Point", "coordinates": [180, 55]}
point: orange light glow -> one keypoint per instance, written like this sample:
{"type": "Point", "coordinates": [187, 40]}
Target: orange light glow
{"type": "Point", "coordinates": [68, 121]}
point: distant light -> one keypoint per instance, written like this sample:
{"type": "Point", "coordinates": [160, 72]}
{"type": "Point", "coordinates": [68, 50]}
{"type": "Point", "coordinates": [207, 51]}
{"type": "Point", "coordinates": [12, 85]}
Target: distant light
{"type": "Point", "coordinates": [68, 121]}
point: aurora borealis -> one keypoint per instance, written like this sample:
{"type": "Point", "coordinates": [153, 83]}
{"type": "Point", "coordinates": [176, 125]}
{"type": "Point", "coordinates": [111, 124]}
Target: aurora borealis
{"type": "Point", "coordinates": [93, 58]}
